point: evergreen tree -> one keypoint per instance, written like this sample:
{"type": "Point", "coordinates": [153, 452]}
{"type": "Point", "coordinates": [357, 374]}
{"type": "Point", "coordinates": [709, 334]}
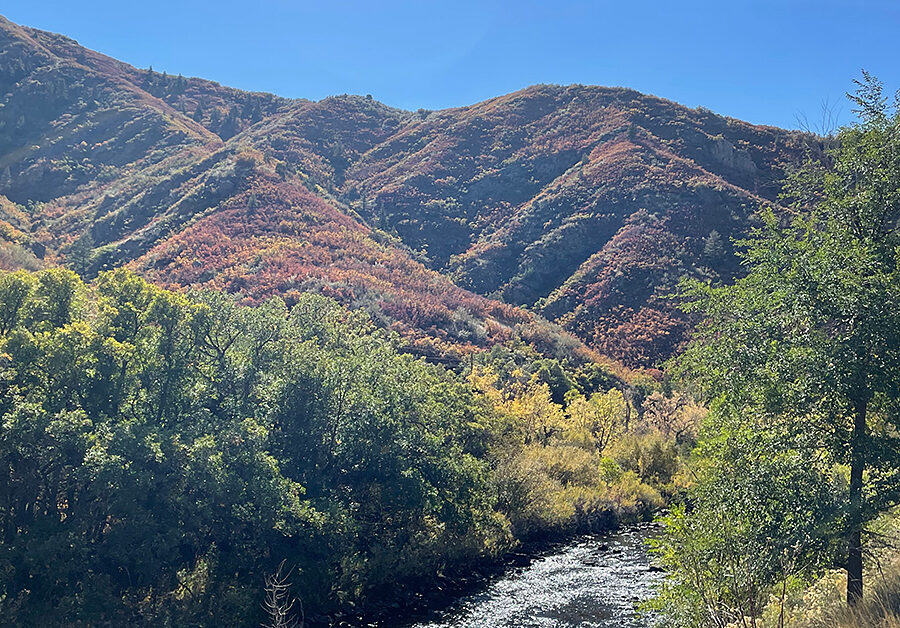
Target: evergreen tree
{"type": "Point", "coordinates": [713, 247]}
{"type": "Point", "coordinates": [78, 256]}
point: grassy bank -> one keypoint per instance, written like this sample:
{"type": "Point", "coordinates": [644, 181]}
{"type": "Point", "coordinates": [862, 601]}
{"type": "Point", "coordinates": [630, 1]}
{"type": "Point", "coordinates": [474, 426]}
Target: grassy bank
{"type": "Point", "coordinates": [822, 603]}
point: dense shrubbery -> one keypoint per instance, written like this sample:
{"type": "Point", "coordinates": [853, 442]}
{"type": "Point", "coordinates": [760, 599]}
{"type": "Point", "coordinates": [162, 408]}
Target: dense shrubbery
{"type": "Point", "coordinates": [161, 454]}
{"type": "Point", "coordinates": [582, 466]}
{"type": "Point", "coordinates": [274, 237]}
{"type": "Point", "coordinates": [822, 603]}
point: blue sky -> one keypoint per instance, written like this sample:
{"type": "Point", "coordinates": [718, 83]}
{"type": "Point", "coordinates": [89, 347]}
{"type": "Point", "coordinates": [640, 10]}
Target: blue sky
{"type": "Point", "coordinates": [766, 61]}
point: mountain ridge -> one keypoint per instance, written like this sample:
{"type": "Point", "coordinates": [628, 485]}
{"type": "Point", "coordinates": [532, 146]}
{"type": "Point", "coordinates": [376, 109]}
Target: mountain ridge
{"type": "Point", "coordinates": [528, 198]}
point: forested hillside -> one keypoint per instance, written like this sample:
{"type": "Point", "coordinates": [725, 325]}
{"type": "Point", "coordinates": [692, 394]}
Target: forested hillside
{"type": "Point", "coordinates": [162, 454]}
{"type": "Point", "coordinates": [583, 204]}
{"type": "Point", "coordinates": [100, 172]}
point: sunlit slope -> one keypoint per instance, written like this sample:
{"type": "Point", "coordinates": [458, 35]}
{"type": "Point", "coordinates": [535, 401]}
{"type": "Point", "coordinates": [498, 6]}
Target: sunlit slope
{"type": "Point", "coordinates": [584, 204]}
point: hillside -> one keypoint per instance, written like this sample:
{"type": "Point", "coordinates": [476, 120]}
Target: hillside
{"type": "Point", "coordinates": [101, 166]}
{"type": "Point", "coordinates": [581, 204]}
{"type": "Point", "coordinates": [585, 203]}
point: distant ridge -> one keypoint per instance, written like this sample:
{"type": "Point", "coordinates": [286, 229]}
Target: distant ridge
{"type": "Point", "coordinates": [581, 204]}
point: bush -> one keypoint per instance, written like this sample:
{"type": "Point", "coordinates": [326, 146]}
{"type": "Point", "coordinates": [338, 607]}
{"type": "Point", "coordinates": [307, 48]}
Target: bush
{"type": "Point", "coordinates": [653, 458]}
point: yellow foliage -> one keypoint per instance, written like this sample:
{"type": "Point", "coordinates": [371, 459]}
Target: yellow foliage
{"type": "Point", "coordinates": [674, 416]}
{"type": "Point", "coordinates": [542, 418]}
{"type": "Point", "coordinates": [483, 379]}
{"type": "Point", "coordinates": [595, 422]}
{"type": "Point", "coordinates": [554, 476]}
{"type": "Point", "coordinates": [822, 604]}
{"type": "Point", "coordinates": [530, 403]}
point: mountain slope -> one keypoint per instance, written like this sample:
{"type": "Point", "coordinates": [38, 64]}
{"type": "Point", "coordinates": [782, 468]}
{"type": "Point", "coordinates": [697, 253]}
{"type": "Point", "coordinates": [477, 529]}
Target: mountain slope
{"type": "Point", "coordinates": [73, 118]}
{"type": "Point", "coordinates": [103, 168]}
{"type": "Point", "coordinates": [524, 195]}
{"type": "Point", "coordinates": [584, 204]}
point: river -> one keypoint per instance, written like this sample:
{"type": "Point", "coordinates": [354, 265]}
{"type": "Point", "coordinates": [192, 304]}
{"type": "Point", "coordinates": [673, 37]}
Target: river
{"type": "Point", "coordinates": [593, 581]}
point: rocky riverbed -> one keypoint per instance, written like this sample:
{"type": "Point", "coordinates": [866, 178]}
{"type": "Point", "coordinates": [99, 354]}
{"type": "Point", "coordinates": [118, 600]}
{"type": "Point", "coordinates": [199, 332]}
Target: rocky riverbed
{"type": "Point", "coordinates": [594, 580]}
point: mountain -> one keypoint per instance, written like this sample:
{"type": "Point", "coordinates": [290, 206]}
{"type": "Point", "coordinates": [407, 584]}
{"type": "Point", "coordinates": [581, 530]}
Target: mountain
{"type": "Point", "coordinates": [583, 205]}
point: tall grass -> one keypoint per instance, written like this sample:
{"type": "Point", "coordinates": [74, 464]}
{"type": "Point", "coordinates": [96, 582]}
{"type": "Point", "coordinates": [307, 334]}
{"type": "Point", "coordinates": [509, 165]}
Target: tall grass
{"type": "Point", "coordinates": [822, 605]}
{"type": "Point", "coordinates": [879, 609]}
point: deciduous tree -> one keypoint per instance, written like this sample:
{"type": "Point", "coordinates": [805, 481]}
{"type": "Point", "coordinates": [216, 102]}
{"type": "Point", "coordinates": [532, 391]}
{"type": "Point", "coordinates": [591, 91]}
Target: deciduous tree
{"type": "Point", "coordinates": [808, 343]}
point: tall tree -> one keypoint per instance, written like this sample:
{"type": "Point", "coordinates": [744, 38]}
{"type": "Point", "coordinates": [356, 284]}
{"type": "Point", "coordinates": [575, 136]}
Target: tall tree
{"type": "Point", "coordinates": [808, 343]}
{"type": "Point", "coordinates": [78, 255]}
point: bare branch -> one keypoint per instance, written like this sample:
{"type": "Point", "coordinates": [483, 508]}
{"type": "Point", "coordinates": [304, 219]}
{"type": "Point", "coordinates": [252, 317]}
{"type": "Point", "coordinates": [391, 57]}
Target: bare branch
{"type": "Point", "coordinates": [279, 603]}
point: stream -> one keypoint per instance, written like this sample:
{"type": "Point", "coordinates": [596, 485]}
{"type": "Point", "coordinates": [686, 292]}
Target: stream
{"type": "Point", "coordinates": [592, 581]}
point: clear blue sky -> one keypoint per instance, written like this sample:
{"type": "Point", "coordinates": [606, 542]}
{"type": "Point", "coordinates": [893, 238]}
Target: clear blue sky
{"type": "Point", "coordinates": [766, 61]}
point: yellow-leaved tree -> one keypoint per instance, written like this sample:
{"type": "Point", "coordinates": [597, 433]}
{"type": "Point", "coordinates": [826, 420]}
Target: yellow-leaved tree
{"type": "Point", "coordinates": [594, 421]}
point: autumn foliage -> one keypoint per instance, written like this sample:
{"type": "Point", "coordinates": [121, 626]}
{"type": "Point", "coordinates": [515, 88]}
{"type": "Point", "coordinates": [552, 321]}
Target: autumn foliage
{"type": "Point", "coordinates": [583, 204]}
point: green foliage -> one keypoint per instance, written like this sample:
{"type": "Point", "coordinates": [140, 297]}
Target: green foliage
{"type": "Point", "coordinates": [713, 247]}
{"type": "Point", "coordinates": [654, 458]}
{"type": "Point", "coordinates": [78, 255]}
{"type": "Point", "coordinates": [159, 453]}
{"type": "Point", "coordinates": [757, 520]}
{"type": "Point", "coordinates": [801, 361]}
{"type": "Point", "coordinates": [821, 604]}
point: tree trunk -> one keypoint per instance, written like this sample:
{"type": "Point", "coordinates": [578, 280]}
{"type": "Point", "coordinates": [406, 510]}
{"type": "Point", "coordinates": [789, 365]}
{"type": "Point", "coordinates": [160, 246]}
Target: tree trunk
{"type": "Point", "coordinates": [854, 540]}
{"type": "Point", "coordinates": [854, 568]}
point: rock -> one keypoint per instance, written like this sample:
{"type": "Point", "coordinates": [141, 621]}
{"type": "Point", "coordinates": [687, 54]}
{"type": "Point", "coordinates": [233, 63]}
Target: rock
{"type": "Point", "coordinates": [520, 560]}
{"type": "Point", "coordinates": [726, 154]}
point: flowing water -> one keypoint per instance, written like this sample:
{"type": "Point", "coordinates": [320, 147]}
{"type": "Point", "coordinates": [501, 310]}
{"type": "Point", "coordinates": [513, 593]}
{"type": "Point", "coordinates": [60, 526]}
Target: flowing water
{"type": "Point", "coordinates": [594, 581]}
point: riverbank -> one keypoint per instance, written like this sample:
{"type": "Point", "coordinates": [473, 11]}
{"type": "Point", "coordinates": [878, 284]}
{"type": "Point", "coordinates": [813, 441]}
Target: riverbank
{"type": "Point", "coordinates": [562, 493]}
{"type": "Point", "coordinates": [422, 601]}
{"type": "Point", "coordinates": [594, 580]}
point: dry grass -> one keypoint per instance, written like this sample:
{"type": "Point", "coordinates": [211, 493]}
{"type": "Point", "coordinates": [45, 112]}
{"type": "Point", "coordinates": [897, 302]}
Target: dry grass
{"type": "Point", "coordinates": [879, 609]}
{"type": "Point", "coordinates": [822, 605]}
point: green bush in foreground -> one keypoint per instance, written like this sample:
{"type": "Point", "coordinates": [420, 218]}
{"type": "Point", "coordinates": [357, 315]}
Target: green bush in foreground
{"type": "Point", "coordinates": [800, 361]}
